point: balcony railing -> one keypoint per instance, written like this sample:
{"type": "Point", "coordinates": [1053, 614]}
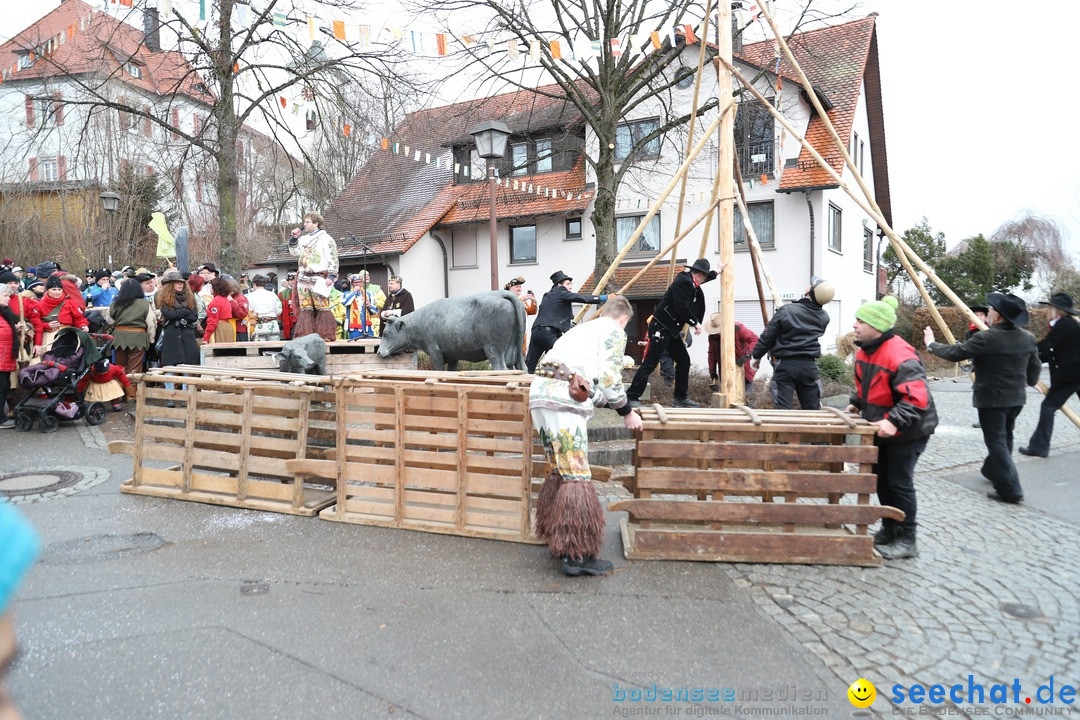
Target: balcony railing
{"type": "Point", "coordinates": [756, 159]}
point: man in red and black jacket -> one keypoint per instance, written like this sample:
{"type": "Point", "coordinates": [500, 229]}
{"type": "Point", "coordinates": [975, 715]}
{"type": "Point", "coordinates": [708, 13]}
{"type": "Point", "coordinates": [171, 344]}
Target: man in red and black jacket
{"type": "Point", "coordinates": [891, 392]}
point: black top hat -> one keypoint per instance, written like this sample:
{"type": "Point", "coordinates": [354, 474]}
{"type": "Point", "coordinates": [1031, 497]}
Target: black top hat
{"type": "Point", "coordinates": [979, 308]}
{"type": "Point", "coordinates": [1062, 301]}
{"type": "Point", "coordinates": [1009, 306]}
{"type": "Point", "coordinates": [702, 266]}
{"type": "Point", "coordinates": [559, 276]}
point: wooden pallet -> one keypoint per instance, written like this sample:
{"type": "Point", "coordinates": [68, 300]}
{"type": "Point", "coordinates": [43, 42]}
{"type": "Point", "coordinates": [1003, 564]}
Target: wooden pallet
{"type": "Point", "coordinates": [439, 453]}
{"type": "Point", "coordinates": [342, 357]}
{"type": "Point", "coordinates": [740, 485]}
{"type": "Point", "coordinates": [229, 438]}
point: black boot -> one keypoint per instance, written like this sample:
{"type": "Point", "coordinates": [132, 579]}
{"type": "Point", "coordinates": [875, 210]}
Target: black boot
{"type": "Point", "coordinates": [886, 534]}
{"type": "Point", "coordinates": [586, 566]}
{"type": "Point", "coordinates": [902, 546]}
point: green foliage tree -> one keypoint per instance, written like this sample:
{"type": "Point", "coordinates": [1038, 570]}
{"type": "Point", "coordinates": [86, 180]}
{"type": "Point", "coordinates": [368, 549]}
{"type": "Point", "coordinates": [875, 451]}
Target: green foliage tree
{"type": "Point", "coordinates": [928, 245]}
{"type": "Point", "coordinates": [982, 267]}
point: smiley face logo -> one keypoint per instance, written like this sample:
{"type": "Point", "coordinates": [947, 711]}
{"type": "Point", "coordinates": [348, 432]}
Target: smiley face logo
{"type": "Point", "coordinates": [862, 693]}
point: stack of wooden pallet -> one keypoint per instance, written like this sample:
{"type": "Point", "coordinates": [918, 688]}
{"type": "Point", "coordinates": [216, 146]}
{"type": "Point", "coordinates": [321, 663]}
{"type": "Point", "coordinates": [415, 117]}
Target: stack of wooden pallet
{"type": "Point", "coordinates": [342, 356]}
{"type": "Point", "coordinates": [739, 485]}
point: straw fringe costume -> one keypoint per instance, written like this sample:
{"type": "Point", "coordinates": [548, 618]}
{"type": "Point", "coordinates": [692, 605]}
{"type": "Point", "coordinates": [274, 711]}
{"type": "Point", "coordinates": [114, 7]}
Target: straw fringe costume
{"type": "Point", "coordinates": [568, 513]}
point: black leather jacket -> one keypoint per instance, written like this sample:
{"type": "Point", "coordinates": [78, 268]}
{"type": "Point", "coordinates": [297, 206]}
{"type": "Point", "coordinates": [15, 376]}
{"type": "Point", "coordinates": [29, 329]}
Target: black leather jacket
{"type": "Point", "coordinates": [682, 304]}
{"type": "Point", "coordinates": [557, 307]}
{"type": "Point", "coordinates": [795, 330]}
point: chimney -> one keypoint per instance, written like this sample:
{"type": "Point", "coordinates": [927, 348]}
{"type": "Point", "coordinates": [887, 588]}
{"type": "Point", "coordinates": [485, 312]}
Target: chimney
{"type": "Point", "coordinates": [736, 34]}
{"type": "Point", "coordinates": [151, 30]}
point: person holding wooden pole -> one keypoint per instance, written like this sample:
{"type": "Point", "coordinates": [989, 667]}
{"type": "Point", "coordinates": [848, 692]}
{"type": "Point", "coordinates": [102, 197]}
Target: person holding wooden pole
{"type": "Point", "coordinates": [892, 394]}
{"type": "Point", "coordinates": [1061, 349]}
{"type": "Point", "coordinates": [1006, 359]}
{"type": "Point", "coordinates": [682, 304]}
{"type": "Point", "coordinates": [556, 316]}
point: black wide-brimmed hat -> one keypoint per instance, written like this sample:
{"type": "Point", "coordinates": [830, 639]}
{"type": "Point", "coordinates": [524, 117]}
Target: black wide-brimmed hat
{"type": "Point", "coordinates": [1062, 301]}
{"type": "Point", "coordinates": [1009, 306]}
{"type": "Point", "coordinates": [979, 308]}
{"type": "Point", "coordinates": [559, 276]}
{"type": "Point", "coordinates": [702, 266]}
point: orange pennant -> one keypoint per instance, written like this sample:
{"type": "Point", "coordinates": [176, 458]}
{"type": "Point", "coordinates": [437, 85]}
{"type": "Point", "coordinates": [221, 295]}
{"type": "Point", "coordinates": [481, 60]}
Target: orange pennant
{"type": "Point", "coordinates": [283, 101]}
{"type": "Point", "coordinates": [691, 38]}
{"type": "Point", "coordinates": [655, 38]}
{"type": "Point", "coordinates": [440, 43]}
{"type": "Point", "coordinates": [348, 129]}
{"type": "Point", "coordinates": [385, 143]}
{"type": "Point", "coordinates": [556, 50]}
{"type": "Point", "coordinates": [339, 30]}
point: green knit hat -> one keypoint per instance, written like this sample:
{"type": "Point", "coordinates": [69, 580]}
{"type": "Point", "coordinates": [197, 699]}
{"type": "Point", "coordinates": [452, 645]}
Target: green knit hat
{"type": "Point", "coordinates": [879, 314]}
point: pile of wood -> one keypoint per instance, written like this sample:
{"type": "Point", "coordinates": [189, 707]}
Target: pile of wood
{"type": "Point", "coordinates": [342, 356]}
{"type": "Point", "coordinates": [739, 485]}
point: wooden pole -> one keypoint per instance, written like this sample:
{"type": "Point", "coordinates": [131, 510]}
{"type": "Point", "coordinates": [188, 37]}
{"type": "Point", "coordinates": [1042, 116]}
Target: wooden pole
{"type": "Point", "coordinates": [897, 243]}
{"type": "Point", "coordinates": [732, 388]}
{"type": "Point", "coordinates": [756, 257]}
{"type": "Point", "coordinates": [672, 246]}
{"type": "Point", "coordinates": [602, 282]}
{"type": "Point", "coordinates": [690, 134]}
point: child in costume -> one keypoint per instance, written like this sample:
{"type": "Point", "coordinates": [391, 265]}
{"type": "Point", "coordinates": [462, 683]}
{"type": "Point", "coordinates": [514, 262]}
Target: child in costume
{"type": "Point", "coordinates": [105, 383]}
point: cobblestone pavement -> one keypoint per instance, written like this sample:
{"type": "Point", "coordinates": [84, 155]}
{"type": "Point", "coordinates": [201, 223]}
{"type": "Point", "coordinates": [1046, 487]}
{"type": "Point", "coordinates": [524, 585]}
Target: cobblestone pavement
{"type": "Point", "coordinates": [961, 607]}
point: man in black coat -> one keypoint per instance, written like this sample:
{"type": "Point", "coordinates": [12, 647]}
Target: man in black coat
{"type": "Point", "coordinates": [1006, 361]}
{"type": "Point", "coordinates": [793, 338]}
{"type": "Point", "coordinates": [1061, 349]}
{"type": "Point", "coordinates": [556, 316]}
{"type": "Point", "coordinates": [682, 304]}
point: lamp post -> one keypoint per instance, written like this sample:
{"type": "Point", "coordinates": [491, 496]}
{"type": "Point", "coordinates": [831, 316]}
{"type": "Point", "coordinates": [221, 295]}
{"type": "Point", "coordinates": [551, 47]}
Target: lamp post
{"type": "Point", "coordinates": [490, 138]}
{"type": "Point", "coordinates": [110, 201]}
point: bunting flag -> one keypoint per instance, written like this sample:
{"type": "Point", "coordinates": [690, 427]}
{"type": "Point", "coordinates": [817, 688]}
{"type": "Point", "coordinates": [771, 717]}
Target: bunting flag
{"type": "Point", "coordinates": [166, 9]}
{"type": "Point", "coordinates": [310, 27]}
{"type": "Point", "coordinates": [616, 49]}
{"type": "Point", "coordinates": [440, 43]}
{"type": "Point", "coordinates": [691, 38]}
{"type": "Point", "coordinates": [339, 29]}
{"type": "Point", "coordinates": [365, 37]}
{"type": "Point", "coordinates": [534, 50]}
{"type": "Point", "coordinates": [280, 19]}
{"type": "Point", "coordinates": [511, 49]}
{"type": "Point", "coordinates": [347, 129]}
{"type": "Point", "coordinates": [242, 16]}
{"type": "Point", "coordinates": [556, 50]}
{"type": "Point", "coordinates": [202, 10]}
{"type": "Point", "coordinates": [655, 38]}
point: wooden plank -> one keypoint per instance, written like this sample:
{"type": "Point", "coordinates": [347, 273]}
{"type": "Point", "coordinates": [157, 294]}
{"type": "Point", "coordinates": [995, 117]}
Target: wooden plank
{"type": "Point", "coordinates": [316, 502]}
{"type": "Point", "coordinates": [748, 480]}
{"type": "Point", "coordinates": [757, 451]}
{"type": "Point", "coordinates": [212, 483]}
{"type": "Point", "coordinates": [709, 546]}
{"type": "Point", "coordinates": [443, 529]}
{"type": "Point", "coordinates": [301, 453]}
{"type": "Point", "coordinates": [140, 438]}
{"type": "Point", "coordinates": [121, 447]}
{"type": "Point", "coordinates": [156, 476]}
{"type": "Point", "coordinates": [756, 512]}
{"type": "Point", "coordinates": [282, 492]}
{"type": "Point", "coordinates": [399, 444]}
{"type": "Point", "coordinates": [462, 452]}
{"type": "Point", "coordinates": [245, 445]}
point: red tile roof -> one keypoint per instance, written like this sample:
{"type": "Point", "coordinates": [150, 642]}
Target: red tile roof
{"type": "Point", "coordinates": [836, 60]}
{"type": "Point", "coordinates": [394, 199]}
{"type": "Point", "coordinates": [473, 202]}
{"type": "Point", "coordinates": [101, 44]}
{"type": "Point", "coordinates": [649, 286]}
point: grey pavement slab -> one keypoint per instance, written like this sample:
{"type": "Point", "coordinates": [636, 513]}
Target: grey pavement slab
{"type": "Point", "coordinates": [1051, 485]}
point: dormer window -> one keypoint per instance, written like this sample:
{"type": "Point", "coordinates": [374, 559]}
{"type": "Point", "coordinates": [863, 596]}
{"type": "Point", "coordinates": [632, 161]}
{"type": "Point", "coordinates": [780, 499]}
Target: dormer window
{"type": "Point", "coordinates": [200, 88]}
{"type": "Point", "coordinates": [133, 70]}
{"type": "Point", "coordinates": [25, 60]}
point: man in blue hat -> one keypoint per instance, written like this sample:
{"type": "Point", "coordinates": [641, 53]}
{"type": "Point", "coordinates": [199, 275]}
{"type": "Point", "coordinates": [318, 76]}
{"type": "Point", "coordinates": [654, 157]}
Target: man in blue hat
{"type": "Point", "coordinates": [1061, 349]}
{"type": "Point", "coordinates": [1006, 361]}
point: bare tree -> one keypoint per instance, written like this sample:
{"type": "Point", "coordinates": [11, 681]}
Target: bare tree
{"type": "Point", "coordinates": [240, 69]}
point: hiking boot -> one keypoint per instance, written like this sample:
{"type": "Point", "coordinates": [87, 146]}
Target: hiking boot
{"type": "Point", "coordinates": [684, 403]}
{"type": "Point", "coordinates": [902, 546]}
{"type": "Point", "coordinates": [586, 566]}
{"type": "Point", "coordinates": [1009, 500]}
{"type": "Point", "coordinates": [885, 535]}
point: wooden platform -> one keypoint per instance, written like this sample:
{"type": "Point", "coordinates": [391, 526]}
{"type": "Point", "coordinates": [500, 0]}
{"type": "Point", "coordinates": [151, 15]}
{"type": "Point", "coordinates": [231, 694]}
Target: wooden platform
{"type": "Point", "coordinates": [343, 356]}
{"type": "Point", "coordinates": [229, 436]}
{"type": "Point", "coordinates": [738, 485]}
{"type": "Point", "coordinates": [439, 452]}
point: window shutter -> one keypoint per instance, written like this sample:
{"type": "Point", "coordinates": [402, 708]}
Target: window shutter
{"type": "Point", "coordinates": [148, 127]}
{"type": "Point", "coordinates": [58, 108]}
{"type": "Point", "coordinates": [61, 168]}
{"type": "Point", "coordinates": [29, 111]}
{"type": "Point", "coordinates": [176, 118]}
{"type": "Point", "coordinates": [33, 170]}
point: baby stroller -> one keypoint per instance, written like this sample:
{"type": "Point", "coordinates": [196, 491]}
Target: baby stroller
{"type": "Point", "coordinates": [53, 383]}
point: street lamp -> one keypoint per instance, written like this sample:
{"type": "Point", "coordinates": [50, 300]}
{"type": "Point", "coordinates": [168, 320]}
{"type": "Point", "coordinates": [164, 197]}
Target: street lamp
{"type": "Point", "coordinates": [110, 201]}
{"type": "Point", "coordinates": [490, 138]}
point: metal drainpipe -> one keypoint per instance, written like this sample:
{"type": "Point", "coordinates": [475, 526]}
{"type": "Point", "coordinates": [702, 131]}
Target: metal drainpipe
{"type": "Point", "coordinates": [810, 208]}
{"type": "Point", "coordinates": [445, 264]}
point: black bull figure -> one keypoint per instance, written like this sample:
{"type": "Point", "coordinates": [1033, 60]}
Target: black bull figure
{"type": "Point", "coordinates": [486, 326]}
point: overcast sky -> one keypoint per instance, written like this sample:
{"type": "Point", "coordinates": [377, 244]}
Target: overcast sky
{"type": "Point", "coordinates": [979, 109]}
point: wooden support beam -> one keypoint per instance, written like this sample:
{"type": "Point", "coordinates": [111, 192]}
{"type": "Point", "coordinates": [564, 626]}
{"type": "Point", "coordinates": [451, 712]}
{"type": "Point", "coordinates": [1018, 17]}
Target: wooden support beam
{"type": "Point", "coordinates": [732, 386]}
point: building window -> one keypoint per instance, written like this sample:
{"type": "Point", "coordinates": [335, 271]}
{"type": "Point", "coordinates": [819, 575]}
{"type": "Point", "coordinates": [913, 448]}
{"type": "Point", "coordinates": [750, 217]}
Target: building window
{"type": "Point", "coordinates": [648, 243]}
{"type": "Point", "coordinates": [463, 247]}
{"type": "Point", "coordinates": [755, 144]}
{"type": "Point", "coordinates": [48, 169]}
{"type": "Point", "coordinates": [834, 228]}
{"type": "Point", "coordinates": [523, 244]}
{"type": "Point", "coordinates": [628, 135]}
{"type": "Point", "coordinates": [867, 250]}
{"type": "Point", "coordinates": [25, 60]}
{"type": "Point", "coordinates": [44, 108]}
{"type": "Point", "coordinates": [519, 159]}
{"type": "Point", "coordinates": [761, 219]}
{"type": "Point", "coordinates": [858, 150]}
{"type": "Point", "coordinates": [133, 70]}
{"type": "Point", "coordinates": [684, 78]}
{"type": "Point", "coordinates": [573, 229]}
{"type": "Point", "coordinates": [543, 155]}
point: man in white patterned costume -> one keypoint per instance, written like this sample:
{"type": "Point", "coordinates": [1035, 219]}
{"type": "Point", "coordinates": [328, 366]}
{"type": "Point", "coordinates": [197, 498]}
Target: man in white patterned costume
{"type": "Point", "coordinates": [318, 259]}
{"type": "Point", "coordinates": [568, 513]}
{"type": "Point", "coordinates": [266, 306]}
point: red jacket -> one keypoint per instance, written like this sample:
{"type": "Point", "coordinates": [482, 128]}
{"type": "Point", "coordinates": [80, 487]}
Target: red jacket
{"type": "Point", "coordinates": [745, 340]}
{"type": "Point", "coordinates": [218, 309]}
{"type": "Point", "coordinates": [114, 372]}
{"type": "Point", "coordinates": [8, 351]}
{"type": "Point", "coordinates": [71, 313]}
{"type": "Point", "coordinates": [890, 383]}
{"type": "Point", "coordinates": [29, 309]}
